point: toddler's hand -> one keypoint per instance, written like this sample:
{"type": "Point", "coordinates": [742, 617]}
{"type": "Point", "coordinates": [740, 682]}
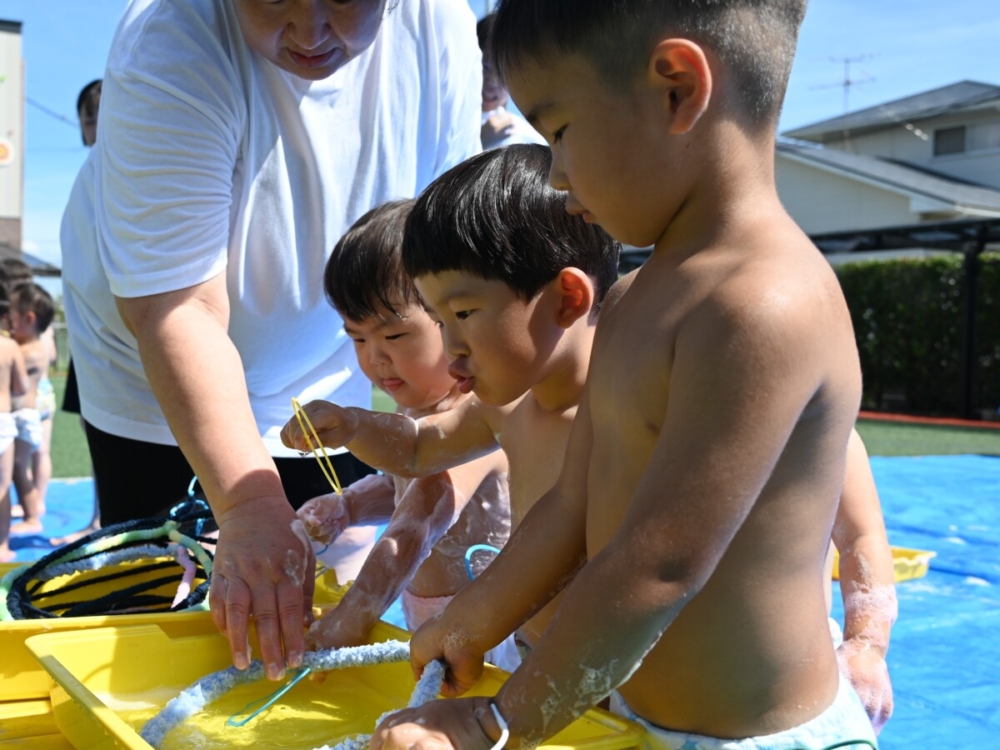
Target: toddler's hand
{"type": "Point", "coordinates": [336, 629]}
{"type": "Point", "coordinates": [325, 517]}
{"type": "Point", "coordinates": [866, 669]}
{"type": "Point", "coordinates": [335, 426]}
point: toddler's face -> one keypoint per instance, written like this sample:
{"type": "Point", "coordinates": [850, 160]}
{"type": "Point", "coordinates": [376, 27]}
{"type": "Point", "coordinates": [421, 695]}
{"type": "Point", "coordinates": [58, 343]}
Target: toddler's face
{"type": "Point", "coordinates": [607, 144]}
{"type": "Point", "coordinates": [403, 355]}
{"type": "Point", "coordinates": [496, 341]}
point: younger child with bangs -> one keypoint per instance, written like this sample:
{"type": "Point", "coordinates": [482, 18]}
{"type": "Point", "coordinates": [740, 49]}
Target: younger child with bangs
{"type": "Point", "coordinates": [13, 384]}
{"type": "Point", "coordinates": [516, 284]}
{"type": "Point", "coordinates": [706, 464]}
{"type": "Point", "coordinates": [31, 313]}
{"type": "Point", "coordinates": [433, 520]}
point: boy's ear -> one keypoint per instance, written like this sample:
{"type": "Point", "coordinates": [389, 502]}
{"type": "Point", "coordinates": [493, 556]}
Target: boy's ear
{"type": "Point", "coordinates": [576, 295]}
{"type": "Point", "coordinates": [679, 69]}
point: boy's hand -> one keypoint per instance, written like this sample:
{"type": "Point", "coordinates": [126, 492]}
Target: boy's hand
{"type": "Point", "coordinates": [439, 725]}
{"type": "Point", "coordinates": [437, 639]}
{"type": "Point", "coordinates": [335, 426]}
{"type": "Point", "coordinates": [865, 667]}
{"type": "Point", "coordinates": [325, 517]}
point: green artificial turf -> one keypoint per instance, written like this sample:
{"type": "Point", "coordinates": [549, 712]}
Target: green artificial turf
{"type": "Point", "coordinates": [70, 457]}
{"type": "Point", "coordinates": [905, 439]}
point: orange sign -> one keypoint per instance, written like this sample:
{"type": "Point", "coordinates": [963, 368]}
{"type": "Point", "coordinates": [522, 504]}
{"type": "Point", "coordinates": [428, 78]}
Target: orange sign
{"type": "Point", "coordinates": [6, 152]}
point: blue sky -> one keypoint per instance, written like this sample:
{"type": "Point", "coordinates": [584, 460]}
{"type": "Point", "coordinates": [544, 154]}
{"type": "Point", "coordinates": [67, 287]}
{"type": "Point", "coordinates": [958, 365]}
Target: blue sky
{"type": "Point", "coordinates": [910, 46]}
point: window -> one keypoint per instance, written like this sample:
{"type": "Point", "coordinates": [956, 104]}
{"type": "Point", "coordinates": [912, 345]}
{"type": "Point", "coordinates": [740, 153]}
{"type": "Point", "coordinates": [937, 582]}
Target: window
{"type": "Point", "coordinates": [985, 136]}
{"type": "Point", "coordinates": [949, 141]}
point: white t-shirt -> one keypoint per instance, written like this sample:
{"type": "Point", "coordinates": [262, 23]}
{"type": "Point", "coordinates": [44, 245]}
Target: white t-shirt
{"type": "Point", "coordinates": [211, 159]}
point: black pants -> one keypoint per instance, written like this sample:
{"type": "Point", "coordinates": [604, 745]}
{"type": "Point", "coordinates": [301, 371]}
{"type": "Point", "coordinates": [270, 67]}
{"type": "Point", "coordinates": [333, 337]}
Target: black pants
{"type": "Point", "coordinates": [141, 480]}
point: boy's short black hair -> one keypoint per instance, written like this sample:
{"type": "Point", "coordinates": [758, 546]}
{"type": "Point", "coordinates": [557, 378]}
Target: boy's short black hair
{"type": "Point", "coordinates": [32, 298]}
{"type": "Point", "coordinates": [755, 39]}
{"type": "Point", "coordinates": [496, 216]}
{"type": "Point", "coordinates": [365, 272]}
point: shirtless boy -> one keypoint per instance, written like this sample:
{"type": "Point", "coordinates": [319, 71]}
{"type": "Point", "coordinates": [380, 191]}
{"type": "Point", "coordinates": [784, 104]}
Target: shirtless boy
{"type": "Point", "coordinates": [31, 313]}
{"type": "Point", "coordinates": [433, 520]}
{"type": "Point", "coordinates": [515, 283]}
{"type": "Point", "coordinates": [13, 384]}
{"type": "Point", "coordinates": [706, 462]}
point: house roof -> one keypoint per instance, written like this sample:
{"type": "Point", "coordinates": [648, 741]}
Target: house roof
{"type": "Point", "coordinates": [898, 177]}
{"type": "Point", "coordinates": [38, 266]}
{"type": "Point", "coordinates": [954, 98]}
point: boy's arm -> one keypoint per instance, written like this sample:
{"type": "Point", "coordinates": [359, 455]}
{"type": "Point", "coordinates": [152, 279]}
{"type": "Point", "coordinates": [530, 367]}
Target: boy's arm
{"type": "Point", "coordinates": [428, 508]}
{"type": "Point", "coordinates": [541, 557]}
{"type": "Point", "coordinates": [867, 584]}
{"type": "Point", "coordinates": [738, 386]}
{"type": "Point", "coordinates": [398, 444]}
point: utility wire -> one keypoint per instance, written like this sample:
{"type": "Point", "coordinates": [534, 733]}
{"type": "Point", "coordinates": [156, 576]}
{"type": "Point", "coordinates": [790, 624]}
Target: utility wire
{"type": "Point", "coordinates": [52, 113]}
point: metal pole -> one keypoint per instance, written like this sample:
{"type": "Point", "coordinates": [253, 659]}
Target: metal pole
{"type": "Point", "coordinates": [970, 354]}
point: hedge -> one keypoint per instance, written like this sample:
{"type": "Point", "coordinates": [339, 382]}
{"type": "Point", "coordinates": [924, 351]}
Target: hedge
{"type": "Point", "coordinates": [908, 319]}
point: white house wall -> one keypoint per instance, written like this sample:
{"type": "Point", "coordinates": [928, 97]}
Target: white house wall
{"type": "Point", "coordinates": [821, 201]}
{"type": "Point", "coordinates": [901, 144]}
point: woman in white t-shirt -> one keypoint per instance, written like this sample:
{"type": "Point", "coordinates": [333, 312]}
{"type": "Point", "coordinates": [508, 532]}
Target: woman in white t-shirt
{"type": "Point", "coordinates": [239, 139]}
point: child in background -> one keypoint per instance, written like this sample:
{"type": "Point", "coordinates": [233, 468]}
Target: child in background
{"type": "Point", "coordinates": [31, 313]}
{"type": "Point", "coordinates": [13, 383]}
{"type": "Point", "coordinates": [501, 127]}
{"type": "Point", "coordinates": [867, 585]}
{"type": "Point", "coordinates": [705, 466]}
{"type": "Point", "coordinates": [434, 520]}
{"type": "Point", "coordinates": [516, 285]}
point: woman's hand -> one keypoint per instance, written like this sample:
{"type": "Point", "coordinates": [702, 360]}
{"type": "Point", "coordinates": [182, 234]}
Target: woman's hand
{"type": "Point", "coordinates": [264, 567]}
{"type": "Point", "coordinates": [335, 426]}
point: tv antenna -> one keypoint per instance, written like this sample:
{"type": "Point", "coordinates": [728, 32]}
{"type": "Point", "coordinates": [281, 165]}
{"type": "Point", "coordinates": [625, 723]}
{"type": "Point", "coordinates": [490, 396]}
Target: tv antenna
{"type": "Point", "coordinates": [848, 81]}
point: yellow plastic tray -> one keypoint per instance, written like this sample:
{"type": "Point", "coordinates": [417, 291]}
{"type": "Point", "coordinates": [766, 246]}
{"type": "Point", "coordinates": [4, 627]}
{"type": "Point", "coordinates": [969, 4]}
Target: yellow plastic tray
{"type": "Point", "coordinates": [20, 720]}
{"type": "Point", "coordinates": [111, 681]}
{"type": "Point", "coordinates": [907, 563]}
{"type": "Point", "coordinates": [21, 678]}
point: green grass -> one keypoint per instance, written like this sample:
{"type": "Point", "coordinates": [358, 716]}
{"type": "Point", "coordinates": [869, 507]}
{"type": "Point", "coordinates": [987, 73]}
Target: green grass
{"type": "Point", "coordinates": [903, 439]}
{"type": "Point", "coordinates": [70, 457]}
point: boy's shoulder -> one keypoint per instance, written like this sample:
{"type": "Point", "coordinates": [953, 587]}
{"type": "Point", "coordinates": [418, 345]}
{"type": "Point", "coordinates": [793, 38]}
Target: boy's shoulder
{"type": "Point", "coordinates": [9, 349]}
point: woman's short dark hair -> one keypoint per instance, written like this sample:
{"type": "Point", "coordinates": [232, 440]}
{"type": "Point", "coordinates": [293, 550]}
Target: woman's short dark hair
{"type": "Point", "coordinates": [365, 274]}
{"type": "Point", "coordinates": [496, 216]}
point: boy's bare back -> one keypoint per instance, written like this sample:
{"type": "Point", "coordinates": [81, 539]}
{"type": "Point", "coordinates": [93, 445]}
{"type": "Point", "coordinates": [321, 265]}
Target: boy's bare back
{"type": "Point", "coordinates": [754, 331]}
{"type": "Point", "coordinates": [13, 378]}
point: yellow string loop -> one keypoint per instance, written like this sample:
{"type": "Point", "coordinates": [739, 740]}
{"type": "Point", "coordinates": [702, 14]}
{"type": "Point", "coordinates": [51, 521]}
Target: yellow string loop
{"type": "Point", "coordinates": [313, 441]}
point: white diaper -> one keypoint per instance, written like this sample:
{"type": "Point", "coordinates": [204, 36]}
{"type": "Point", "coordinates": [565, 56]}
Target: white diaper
{"type": "Point", "coordinates": [8, 431]}
{"type": "Point", "coordinates": [29, 427]}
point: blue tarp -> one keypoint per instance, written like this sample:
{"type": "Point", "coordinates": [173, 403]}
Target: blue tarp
{"type": "Point", "coordinates": [945, 652]}
{"type": "Point", "coordinates": [944, 658]}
